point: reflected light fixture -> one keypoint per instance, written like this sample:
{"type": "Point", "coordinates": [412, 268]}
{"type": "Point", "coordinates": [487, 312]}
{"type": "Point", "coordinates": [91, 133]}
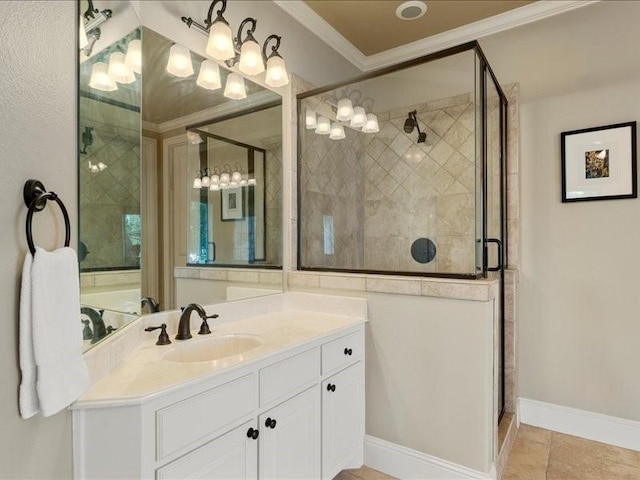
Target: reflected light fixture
{"type": "Point", "coordinates": [118, 69]}
{"type": "Point", "coordinates": [133, 59]}
{"type": "Point", "coordinates": [83, 35]}
{"type": "Point", "coordinates": [310, 121]}
{"type": "Point", "coordinates": [337, 131]}
{"type": "Point", "coordinates": [209, 76]}
{"type": "Point", "coordinates": [100, 78]}
{"type": "Point", "coordinates": [344, 110]}
{"type": "Point", "coordinates": [359, 118]}
{"type": "Point", "coordinates": [93, 18]}
{"type": "Point", "coordinates": [222, 46]}
{"type": "Point", "coordinates": [179, 63]}
{"type": "Point", "coordinates": [193, 138]}
{"type": "Point", "coordinates": [324, 126]}
{"type": "Point", "coordinates": [234, 88]}
{"type": "Point", "coordinates": [371, 126]}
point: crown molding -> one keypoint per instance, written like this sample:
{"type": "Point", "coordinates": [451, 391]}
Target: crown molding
{"type": "Point", "coordinates": [313, 22]}
{"type": "Point", "coordinates": [473, 31]}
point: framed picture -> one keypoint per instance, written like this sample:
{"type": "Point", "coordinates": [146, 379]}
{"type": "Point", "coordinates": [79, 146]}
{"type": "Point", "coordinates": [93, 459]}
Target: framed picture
{"type": "Point", "coordinates": [233, 204]}
{"type": "Point", "coordinates": [599, 163]}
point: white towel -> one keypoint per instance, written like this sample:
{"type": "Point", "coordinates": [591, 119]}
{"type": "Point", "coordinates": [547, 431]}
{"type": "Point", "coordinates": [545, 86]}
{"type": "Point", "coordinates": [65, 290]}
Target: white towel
{"type": "Point", "coordinates": [56, 336]}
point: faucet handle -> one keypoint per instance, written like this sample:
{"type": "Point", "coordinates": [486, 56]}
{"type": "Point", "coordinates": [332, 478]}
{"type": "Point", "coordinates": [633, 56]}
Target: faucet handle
{"type": "Point", "coordinates": [163, 338]}
{"type": "Point", "coordinates": [204, 328]}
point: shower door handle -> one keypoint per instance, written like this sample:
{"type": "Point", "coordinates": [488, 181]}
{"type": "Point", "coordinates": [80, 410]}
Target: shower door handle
{"type": "Point", "coordinates": [498, 267]}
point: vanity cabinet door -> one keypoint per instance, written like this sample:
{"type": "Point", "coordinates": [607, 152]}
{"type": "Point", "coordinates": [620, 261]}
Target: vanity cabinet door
{"type": "Point", "coordinates": [290, 438]}
{"type": "Point", "coordinates": [343, 421]}
{"type": "Point", "coordinates": [232, 456]}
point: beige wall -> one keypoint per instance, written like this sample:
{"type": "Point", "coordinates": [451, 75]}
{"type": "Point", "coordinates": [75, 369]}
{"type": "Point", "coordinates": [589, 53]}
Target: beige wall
{"type": "Point", "coordinates": [430, 376]}
{"type": "Point", "coordinates": [39, 141]}
{"type": "Point", "coordinates": [579, 306]}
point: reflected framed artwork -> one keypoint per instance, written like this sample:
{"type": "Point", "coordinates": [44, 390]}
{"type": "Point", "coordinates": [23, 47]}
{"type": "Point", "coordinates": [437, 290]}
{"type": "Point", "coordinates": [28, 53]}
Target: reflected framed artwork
{"type": "Point", "coordinates": [599, 163]}
{"type": "Point", "coordinates": [233, 204]}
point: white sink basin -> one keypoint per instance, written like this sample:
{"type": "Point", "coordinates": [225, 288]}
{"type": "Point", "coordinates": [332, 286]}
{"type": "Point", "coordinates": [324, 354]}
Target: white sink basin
{"type": "Point", "coordinates": [212, 347]}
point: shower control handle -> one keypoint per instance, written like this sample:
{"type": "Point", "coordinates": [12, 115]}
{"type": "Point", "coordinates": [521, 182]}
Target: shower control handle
{"type": "Point", "coordinates": [498, 243]}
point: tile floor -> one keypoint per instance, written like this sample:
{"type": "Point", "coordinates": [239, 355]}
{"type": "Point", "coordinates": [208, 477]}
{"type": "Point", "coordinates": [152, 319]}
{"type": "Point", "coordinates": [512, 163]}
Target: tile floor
{"type": "Point", "coordinates": [539, 454]}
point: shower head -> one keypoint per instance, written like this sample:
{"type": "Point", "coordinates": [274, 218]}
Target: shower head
{"type": "Point", "coordinates": [411, 123]}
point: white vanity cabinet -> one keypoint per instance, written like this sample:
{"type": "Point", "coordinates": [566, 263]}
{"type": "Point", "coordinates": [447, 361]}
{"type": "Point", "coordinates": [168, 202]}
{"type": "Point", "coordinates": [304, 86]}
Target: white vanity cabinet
{"type": "Point", "coordinates": [297, 413]}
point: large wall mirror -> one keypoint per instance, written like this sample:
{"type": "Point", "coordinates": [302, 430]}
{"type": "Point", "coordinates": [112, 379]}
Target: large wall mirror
{"type": "Point", "coordinates": [180, 186]}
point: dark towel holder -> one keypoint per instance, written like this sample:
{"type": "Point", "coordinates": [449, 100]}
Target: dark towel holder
{"type": "Point", "coordinates": [35, 197]}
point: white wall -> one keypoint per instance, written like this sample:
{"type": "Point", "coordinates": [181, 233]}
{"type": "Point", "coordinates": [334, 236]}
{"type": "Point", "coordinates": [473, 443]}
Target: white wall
{"type": "Point", "coordinates": [579, 305]}
{"type": "Point", "coordinates": [38, 138]}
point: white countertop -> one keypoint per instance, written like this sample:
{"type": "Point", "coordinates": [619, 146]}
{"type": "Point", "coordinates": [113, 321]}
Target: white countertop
{"type": "Point", "coordinates": [145, 373]}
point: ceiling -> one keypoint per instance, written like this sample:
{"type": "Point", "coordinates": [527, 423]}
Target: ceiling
{"type": "Point", "coordinates": [372, 26]}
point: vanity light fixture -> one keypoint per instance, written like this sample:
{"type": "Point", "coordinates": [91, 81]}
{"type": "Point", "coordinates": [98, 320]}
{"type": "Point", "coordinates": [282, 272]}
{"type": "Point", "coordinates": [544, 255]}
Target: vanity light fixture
{"type": "Point", "coordinates": [133, 60]}
{"type": "Point", "coordinates": [245, 52]}
{"type": "Point", "coordinates": [324, 126]}
{"type": "Point", "coordinates": [345, 110]}
{"type": "Point", "coordinates": [118, 69]}
{"type": "Point", "coordinates": [371, 126]}
{"type": "Point", "coordinates": [209, 76]}
{"type": "Point", "coordinates": [93, 18]}
{"type": "Point", "coordinates": [310, 120]}
{"type": "Point", "coordinates": [234, 88]}
{"type": "Point", "coordinates": [179, 63]}
{"type": "Point", "coordinates": [100, 78]}
{"type": "Point", "coordinates": [337, 131]}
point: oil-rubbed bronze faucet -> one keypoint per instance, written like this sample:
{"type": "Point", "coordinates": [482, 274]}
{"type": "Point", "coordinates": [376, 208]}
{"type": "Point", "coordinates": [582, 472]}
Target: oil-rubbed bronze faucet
{"type": "Point", "coordinates": [184, 327]}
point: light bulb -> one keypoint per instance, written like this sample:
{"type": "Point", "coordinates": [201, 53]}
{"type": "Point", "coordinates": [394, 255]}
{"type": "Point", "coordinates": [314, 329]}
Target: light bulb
{"type": "Point", "coordinates": [276, 72]}
{"type": "Point", "coordinates": [324, 126]}
{"type": "Point", "coordinates": [345, 109]}
{"type": "Point", "coordinates": [209, 76]}
{"type": "Point", "coordinates": [220, 43]}
{"type": "Point", "coordinates": [83, 35]}
{"type": "Point", "coordinates": [372, 124]}
{"type": "Point", "coordinates": [234, 88]}
{"type": "Point", "coordinates": [251, 58]}
{"type": "Point", "coordinates": [359, 117]}
{"type": "Point", "coordinates": [310, 120]}
{"type": "Point", "coordinates": [197, 182]}
{"type": "Point", "coordinates": [134, 56]}
{"type": "Point", "coordinates": [118, 69]}
{"type": "Point", "coordinates": [100, 78]}
{"type": "Point", "coordinates": [337, 131]}
{"type": "Point", "coordinates": [179, 63]}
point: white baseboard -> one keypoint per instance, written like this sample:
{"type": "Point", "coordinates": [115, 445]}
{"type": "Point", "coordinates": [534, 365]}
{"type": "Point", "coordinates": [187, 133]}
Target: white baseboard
{"type": "Point", "coordinates": [407, 464]}
{"type": "Point", "coordinates": [580, 423]}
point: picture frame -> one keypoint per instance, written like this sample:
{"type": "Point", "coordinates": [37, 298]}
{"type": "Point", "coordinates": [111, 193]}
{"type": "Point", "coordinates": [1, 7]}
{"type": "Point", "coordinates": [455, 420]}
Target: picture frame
{"type": "Point", "coordinates": [599, 163]}
{"type": "Point", "coordinates": [232, 205]}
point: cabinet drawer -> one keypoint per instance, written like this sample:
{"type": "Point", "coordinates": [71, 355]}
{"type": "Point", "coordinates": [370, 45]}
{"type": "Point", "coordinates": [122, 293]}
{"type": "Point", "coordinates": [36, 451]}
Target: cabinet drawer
{"type": "Point", "coordinates": [278, 380]}
{"type": "Point", "coordinates": [185, 422]}
{"type": "Point", "coordinates": [342, 351]}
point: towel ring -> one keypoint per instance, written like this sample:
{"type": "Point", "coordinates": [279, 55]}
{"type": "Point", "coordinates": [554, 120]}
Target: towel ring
{"type": "Point", "coordinates": [36, 197]}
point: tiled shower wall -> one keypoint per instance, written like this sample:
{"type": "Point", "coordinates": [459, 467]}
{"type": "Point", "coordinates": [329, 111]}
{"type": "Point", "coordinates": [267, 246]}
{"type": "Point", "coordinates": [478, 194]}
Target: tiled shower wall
{"type": "Point", "coordinates": [273, 199]}
{"type": "Point", "coordinates": [106, 196]}
{"type": "Point", "coordinates": [385, 190]}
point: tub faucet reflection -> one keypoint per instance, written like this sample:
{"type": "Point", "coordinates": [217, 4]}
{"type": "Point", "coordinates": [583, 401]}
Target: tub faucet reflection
{"type": "Point", "coordinates": [154, 306]}
{"type": "Point", "coordinates": [97, 323]}
{"type": "Point", "coordinates": [184, 327]}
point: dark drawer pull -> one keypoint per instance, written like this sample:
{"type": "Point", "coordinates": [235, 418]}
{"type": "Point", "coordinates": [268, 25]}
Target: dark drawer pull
{"type": "Point", "coordinates": [331, 388]}
{"type": "Point", "coordinates": [253, 433]}
{"type": "Point", "coordinates": [270, 423]}
{"type": "Point", "coordinates": [348, 351]}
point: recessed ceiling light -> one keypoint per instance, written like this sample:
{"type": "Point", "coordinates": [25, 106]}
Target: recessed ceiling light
{"type": "Point", "coordinates": [411, 10]}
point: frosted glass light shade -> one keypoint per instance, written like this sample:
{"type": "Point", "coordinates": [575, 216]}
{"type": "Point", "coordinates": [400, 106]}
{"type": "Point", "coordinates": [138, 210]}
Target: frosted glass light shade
{"type": "Point", "coordinates": [224, 178]}
{"type": "Point", "coordinates": [234, 88]}
{"type": "Point", "coordinates": [214, 187]}
{"type": "Point", "coordinates": [100, 78]}
{"type": "Point", "coordinates": [252, 181]}
{"type": "Point", "coordinates": [324, 126]}
{"type": "Point", "coordinates": [276, 72]}
{"type": "Point", "coordinates": [83, 35]}
{"type": "Point", "coordinates": [134, 56]}
{"type": "Point", "coordinates": [337, 131]}
{"type": "Point", "coordinates": [194, 138]}
{"type": "Point", "coordinates": [118, 70]}
{"type": "Point", "coordinates": [236, 177]}
{"type": "Point", "coordinates": [209, 76]}
{"type": "Point", "coordinates": [372, 124]}
{"type": "Point", "coordinates": [220, 43]}
{"type": "Point", "coordinates": [179, 63]}
{"type": "Point", "coordinates": [197, 182]}
{"type": "Point", "coordinates": [359, 117]}
{"type": "Point", "coordinates": [345, 110]}
{"type": "Point", "coordinates": [310, 120]}
{"type": "Point", "coordinates": [251, 58]}
{"type": "Point", "coordinates": [206, 181]}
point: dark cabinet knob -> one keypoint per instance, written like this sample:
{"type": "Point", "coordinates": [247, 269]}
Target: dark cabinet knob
{"type": "Point", "coordinates": [253, 433]}
{"type": "Point", "coordinates": [348, 351]}
{"type": "Point", "coordinates": [270, 423]}
{"type": "Point", "coordinates": [331, 388]}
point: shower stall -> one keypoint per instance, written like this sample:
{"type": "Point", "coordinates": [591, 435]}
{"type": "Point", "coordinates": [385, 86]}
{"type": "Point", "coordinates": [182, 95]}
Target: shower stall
{"type": "Point", "coordinates": [403, 171]}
